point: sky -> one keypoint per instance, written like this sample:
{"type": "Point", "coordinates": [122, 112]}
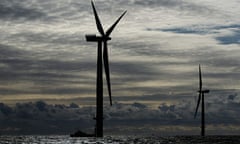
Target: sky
{"type": "Point", "coordinates": [154, 56]}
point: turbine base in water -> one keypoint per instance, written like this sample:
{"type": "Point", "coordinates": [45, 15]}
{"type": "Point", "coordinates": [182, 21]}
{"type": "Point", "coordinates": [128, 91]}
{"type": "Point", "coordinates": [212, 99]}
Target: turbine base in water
{"type": "Point", "coordinates": [81, 134]}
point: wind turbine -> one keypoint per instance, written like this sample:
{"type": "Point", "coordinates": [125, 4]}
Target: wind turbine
{"type": "Point", "coordinates": [102, 57]}
{"type": "Point", "coordinates": [201, 95]}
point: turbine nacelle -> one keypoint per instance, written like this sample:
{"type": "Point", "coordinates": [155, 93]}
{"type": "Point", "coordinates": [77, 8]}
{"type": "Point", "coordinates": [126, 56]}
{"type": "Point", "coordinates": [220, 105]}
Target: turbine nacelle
{"type": "Point", "coordinates": [95, 38]}
{"type": "Point", "coordinates": [92, 38]}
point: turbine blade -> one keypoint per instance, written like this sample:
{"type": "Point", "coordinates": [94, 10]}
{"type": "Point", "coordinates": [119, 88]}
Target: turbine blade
{"type": "Point", "coordinates": [106, 65]}
{"type": "Point", "coordinates": [109, 31]}
{"type": "Point", "coordinates": [98, 23]}
{"type": "Point", "coordinates": [200, 78]}
{"type": "Point", "coordinates": [199, 98]}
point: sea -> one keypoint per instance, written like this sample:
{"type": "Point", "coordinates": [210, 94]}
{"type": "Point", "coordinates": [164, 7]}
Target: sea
{"type": "Point", "coordinates": [64, 139]}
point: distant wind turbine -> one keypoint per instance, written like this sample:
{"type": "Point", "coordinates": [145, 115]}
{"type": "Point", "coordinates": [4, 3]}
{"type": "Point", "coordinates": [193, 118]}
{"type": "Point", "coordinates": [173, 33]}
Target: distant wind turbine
{"type": "Point", "coordinates": [201, 95]}
{"type": "Point", "coordinates": [102, 40]}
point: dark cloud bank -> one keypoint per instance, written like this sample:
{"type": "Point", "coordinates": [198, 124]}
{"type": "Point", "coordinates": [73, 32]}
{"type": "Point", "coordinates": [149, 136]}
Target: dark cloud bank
{"type": "Point", "coordinates": [42, 118]}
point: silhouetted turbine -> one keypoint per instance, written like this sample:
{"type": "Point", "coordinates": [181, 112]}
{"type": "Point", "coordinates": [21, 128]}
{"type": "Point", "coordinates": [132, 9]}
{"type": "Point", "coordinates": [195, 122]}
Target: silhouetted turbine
{"type": "Point", "coordinates": [201, 95]}
{"type": "Point", "coordinates": [102, 56]}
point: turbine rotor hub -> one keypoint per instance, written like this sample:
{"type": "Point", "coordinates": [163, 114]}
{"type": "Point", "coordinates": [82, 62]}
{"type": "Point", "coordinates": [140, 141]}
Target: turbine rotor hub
{"type": "Point", "coordinates": [106, 38]}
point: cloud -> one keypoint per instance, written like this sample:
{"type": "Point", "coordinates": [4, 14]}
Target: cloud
{"type": "Point", "coordinates": [216, 31]}
{"type": "Point", "coordinates": [42, 118]}
{"type": "Point", "coordinates": [197, 29]}
{"type": "Point", "coordinates": [6, 110]}
{"type": "Point", "coordinates": [181, 112]}
{"type": "Point", "coordinates": [181, 5]}
{"type": "Point", "coordinates": [16, 12]}
{"type": "Point", "coordinates": [220, 110]}
{"type": "Point", "coordinates": [232, 97]}
{"type": "Point", "coordinates": [17, 65]}
{"type": "Point", "coordinates": [230, 39]}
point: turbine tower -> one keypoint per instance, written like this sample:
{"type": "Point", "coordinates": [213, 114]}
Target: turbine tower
{"type": "Point", "coordinates": [102, 57]}
{"type": "Point", "coordinates": [201, 96]}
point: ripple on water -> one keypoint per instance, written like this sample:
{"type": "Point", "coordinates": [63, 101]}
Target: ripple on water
{"type": "Point", "coordinates": [120, 140]}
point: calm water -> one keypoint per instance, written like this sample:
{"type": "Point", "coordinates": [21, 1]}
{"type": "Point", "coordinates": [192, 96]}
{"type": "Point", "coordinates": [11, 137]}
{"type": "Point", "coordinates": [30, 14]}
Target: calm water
{"type": "Point", "coordinates": [120, 140]}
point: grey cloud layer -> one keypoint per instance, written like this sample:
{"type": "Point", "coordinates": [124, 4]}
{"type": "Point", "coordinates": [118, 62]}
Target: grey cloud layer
{"type": "Point", "coordinates": [53, 52]}
{"type": "Point", "coordinates": [17, 66]}
{"type": "Point", "coordinates": [15, 12]}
